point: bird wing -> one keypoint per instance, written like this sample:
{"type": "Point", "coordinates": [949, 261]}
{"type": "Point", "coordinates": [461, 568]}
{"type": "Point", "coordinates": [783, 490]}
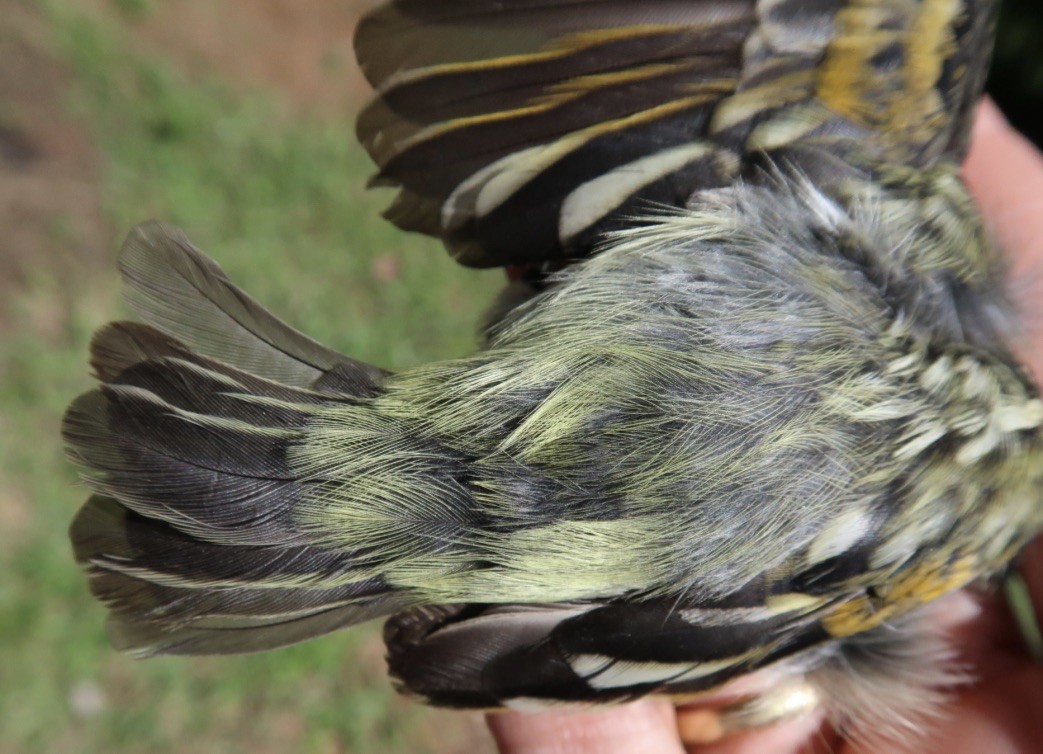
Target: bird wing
{"type": "Point", "coordinates": [531, 655]}
{"type": "Point", "coordinates": [518, 132]}
{"type": "Point", "coordinates": [510, 655]}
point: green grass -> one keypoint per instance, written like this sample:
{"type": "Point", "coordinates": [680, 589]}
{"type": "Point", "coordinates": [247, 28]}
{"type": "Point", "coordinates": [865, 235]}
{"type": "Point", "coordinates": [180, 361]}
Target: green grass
{"type": "Point", "coordinates": [279, 201]}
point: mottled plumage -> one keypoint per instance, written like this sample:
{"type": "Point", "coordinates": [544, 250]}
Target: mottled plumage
{"type": "Point", "coordinates": [754, 428]}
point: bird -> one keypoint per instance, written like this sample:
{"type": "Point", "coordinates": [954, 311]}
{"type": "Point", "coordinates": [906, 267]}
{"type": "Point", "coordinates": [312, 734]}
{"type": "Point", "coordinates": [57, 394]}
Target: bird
{"type": "Point", "coordinates": [749, 408]}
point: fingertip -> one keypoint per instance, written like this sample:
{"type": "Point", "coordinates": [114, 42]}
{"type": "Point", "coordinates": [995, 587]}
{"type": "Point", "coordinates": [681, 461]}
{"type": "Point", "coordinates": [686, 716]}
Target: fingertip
{"type": "Point", "coordinates": [796, 736]}
{"type": "Point", "coordinates": [1005, 173]}
{"type": "Point", "coordinates": [998, 717]}
{"type": "Point", "coordinates": [647, 725]}
{"type": "Point", "coordinates": [989, 120]}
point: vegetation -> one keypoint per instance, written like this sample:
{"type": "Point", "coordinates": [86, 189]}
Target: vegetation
{"type": "Point", "coordinates": [279, 200]}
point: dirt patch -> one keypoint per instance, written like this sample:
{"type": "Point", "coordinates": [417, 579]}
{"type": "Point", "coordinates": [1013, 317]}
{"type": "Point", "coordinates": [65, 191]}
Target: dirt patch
{"type": "Point", "coordinates": [15, 515]}
{"type": "Point", "coordinates": [50, 171]}
{"type": "Point", "coordinates": [50, 206]}
{"type": "Point", "coordinates": [301, 48]}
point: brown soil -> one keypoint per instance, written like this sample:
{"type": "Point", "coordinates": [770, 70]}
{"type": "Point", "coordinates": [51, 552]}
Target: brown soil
{"type": "Point", "coordinates": [50, 206]}
{"type": "Point", "coordinates": [302, 48]}
{"type": "Point", "coordinates": [50, 171]}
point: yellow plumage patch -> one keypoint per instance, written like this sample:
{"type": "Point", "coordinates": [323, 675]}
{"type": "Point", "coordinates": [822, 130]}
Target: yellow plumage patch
{"type": "Point", "coordinates": [921, 583]}
{"type": "Point", "coordinates": [908, 105]}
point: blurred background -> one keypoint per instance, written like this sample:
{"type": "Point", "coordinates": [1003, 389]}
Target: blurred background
{"type": "Point", "coordinates": [232, 119]}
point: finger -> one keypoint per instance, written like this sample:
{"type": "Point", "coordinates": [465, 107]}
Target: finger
{"type": "Point", "coordinates": [988, 640]}
{"type": "Point", "coordinates": [1000, 716]}
{"type": "Point", "coordinates": [789, 737]}
{"type": "Point", "coordinates": [1005, 174]}
{"type": "Point", "coordinates": [648, 725]}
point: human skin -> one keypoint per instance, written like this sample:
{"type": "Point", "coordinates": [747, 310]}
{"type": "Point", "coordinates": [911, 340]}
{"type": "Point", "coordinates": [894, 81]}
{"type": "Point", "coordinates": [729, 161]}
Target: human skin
{"type": "Point", "coordinates": [1001, 712]}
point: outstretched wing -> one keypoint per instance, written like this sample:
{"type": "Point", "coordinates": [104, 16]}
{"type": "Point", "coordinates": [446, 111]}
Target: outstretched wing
{"type": "Point", "coordinates": [519, 131]}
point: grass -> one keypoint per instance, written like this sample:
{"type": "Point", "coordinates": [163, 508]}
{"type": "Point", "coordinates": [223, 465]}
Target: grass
{"type": "Point", "coordinates": [279, 201]}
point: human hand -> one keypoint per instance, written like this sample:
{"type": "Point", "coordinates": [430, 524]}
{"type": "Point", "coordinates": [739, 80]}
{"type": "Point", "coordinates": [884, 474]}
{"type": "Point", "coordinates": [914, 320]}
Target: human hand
{"type": "Point", "coordinates": [1002, 711]}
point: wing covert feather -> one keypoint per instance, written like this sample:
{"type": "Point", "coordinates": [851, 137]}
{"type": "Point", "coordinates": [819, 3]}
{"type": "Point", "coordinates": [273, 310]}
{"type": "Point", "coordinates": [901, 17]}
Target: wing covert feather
{"type": "Point", "coordinates": [520, 132]}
